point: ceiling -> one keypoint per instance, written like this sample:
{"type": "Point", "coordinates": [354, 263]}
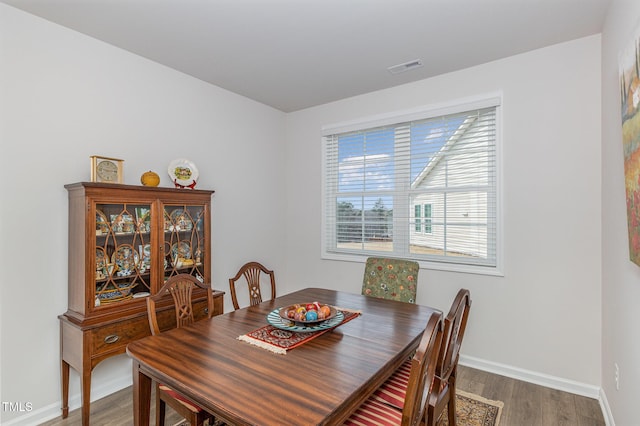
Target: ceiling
{"type": "Point", "coordinates": [295, 54]}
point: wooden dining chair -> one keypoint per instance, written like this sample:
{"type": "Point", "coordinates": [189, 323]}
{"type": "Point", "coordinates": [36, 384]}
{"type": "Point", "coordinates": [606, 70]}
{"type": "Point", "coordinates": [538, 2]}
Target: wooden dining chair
{"type": "Point", "coordinates": [253, 273]}
{"type": "Point", "coordinates": [422, 373]}
{"type": "Point", "coordinates": [181, 289]}
{"type": "Point", "coordinates": [455, 325]}
{"type": "Point", "coordinates": [388, 278]}
{"type": "Point", "coordinates": [393, 391]}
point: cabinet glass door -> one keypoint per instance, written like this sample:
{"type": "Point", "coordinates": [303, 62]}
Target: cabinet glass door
{"type": "Point", "coordinates": [123, 253]}
{"type": "Point", "coordinates": [184, 240]}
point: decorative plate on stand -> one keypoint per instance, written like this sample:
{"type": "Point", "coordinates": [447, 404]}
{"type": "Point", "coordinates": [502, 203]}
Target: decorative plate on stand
{"type": "Point", "coordinates": [183, 173]}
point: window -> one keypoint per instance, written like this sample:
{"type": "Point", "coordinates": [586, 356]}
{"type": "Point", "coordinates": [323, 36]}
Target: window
{"type": "Point", "coordinates": [427, 218]}
{"type": "Point", "coordinates": [420, 185]}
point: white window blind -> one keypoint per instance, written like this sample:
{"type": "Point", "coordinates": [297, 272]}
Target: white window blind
{"type": "Point", "coordinates": [379, 182]}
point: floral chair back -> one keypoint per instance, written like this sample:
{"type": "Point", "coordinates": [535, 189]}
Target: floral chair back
{"type": "Point", "coordinates": [394, 279]}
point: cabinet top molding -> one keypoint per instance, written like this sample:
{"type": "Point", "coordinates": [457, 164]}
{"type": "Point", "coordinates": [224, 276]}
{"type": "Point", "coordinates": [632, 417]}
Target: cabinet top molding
{"type": "Point", "coordinates": [155, 189]}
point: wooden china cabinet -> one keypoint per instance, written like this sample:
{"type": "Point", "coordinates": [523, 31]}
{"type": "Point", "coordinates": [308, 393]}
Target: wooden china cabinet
{"type": "Point", "coordinates": [124, 242]}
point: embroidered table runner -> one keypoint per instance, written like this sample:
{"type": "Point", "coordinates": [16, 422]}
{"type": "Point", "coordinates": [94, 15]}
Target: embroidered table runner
{"type": "Point", "coordinates": [280, 341]}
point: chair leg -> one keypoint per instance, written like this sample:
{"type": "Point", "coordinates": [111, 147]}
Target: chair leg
{"type": "Point", "coordinates": [430, 413]}
{"type": "Point", "coordinates": [160, 409]}
{"type": "Point", "coordinates": [452, 401]}
{"type": "Point", "coordinates": [428, 416]}
{"type": "Point", "coordinates": [198, 419]}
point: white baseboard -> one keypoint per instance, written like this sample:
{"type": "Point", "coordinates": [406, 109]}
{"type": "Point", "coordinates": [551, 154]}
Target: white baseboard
{"type": "Point", "coordinates": [546, 380]}
{"type": "Point", "coordinates": [606, 409]}
{"type": "Point", "coordinates": [53, 411]}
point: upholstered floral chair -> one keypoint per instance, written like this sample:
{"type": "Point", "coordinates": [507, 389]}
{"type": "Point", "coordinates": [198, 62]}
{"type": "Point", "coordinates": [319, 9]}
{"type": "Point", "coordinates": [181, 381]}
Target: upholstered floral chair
{"type": "Point", "coordinates": [394, 279]}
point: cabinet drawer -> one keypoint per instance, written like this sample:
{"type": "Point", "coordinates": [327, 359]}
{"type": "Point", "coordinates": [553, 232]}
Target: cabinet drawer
{"type": "Point", "coordinates": [117, 335]}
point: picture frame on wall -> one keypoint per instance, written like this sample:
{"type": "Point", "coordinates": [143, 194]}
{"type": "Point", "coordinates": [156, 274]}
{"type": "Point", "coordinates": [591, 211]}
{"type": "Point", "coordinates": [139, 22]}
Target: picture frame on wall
{"type": "Point", "coordinates": [629, 73]}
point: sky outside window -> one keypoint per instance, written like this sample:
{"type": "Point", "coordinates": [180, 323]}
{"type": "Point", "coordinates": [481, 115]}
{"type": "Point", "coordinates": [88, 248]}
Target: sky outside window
{"type": "Point", "coordinates": [366, 159]}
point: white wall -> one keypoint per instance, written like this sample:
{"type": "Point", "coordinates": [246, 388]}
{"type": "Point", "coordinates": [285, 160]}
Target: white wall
{"type": "Point", "coordinates": [64, 97]}
{"type": "Point", "coordinates": [543, 316]}
{"type": "Point", "coordinates": [620, 277]}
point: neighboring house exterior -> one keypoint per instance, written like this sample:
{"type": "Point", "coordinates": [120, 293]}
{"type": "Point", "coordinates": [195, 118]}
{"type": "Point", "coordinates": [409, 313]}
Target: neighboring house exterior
{"type": "Point", "coordinates": [449, 206]}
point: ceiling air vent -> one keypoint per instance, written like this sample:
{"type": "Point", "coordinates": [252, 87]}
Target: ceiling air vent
{"type": "Point", "coordinates": [407, 66]}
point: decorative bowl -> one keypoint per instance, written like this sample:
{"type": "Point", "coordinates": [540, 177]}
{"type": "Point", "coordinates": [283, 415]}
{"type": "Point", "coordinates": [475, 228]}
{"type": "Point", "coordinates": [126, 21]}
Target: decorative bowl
{"type": "Point", "coordinates": [288, 311]}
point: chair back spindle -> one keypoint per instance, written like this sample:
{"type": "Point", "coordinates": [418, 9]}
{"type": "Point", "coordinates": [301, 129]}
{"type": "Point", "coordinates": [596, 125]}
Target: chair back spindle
{"type": "Point", "coordinates": [252, 273]}
{"type": "Point", "coordinates": [181, 294]}
{"type": "Point", "coordinates": [181, 289]}
{"type": "Point", "coordinates": [455, 324]}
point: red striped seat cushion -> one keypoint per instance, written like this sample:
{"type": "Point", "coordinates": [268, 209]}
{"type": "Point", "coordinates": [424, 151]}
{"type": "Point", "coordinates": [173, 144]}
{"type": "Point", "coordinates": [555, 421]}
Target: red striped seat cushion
{"type": "Point", "coordinates": [181, 399]}
{"type": "Point", "coordinates": [393, 391]}
{"type": "Point", "coordinates": [375, 413]}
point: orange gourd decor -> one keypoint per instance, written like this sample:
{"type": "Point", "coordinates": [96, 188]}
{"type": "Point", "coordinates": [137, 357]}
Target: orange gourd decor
{"type": "Point", "coordinates": [150, 179]}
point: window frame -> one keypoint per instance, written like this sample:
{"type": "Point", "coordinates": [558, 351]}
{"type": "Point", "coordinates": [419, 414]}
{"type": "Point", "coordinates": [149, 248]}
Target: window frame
{"type": "Point", "coordinates": [429, 111]}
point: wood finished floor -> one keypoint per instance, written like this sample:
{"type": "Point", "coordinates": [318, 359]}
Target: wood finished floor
{"type": "Point", "coordinates": [525, 404]}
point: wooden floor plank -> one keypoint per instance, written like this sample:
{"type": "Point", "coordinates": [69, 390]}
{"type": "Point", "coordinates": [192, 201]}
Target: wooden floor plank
{"type": "Point", "coordinates": [558, 408]}
{"type": "Point", "coordinates": [586, 408]}
{"type": "Point", "coordinates": [524, 405]}
{"type": "Point", "coordinates": [472, 380]}
{"type": "Point", "coordinates": [529, 404]}
{"type": "Point", "coordinates": [496, 387]}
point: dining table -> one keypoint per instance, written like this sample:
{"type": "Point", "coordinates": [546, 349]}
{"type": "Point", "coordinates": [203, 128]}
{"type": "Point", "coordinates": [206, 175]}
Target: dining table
{"type": "Point", "coordinates": [319, 382]}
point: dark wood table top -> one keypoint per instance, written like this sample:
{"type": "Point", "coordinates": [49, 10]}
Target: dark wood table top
{"type": "Point", "coordinates": [320, 382]}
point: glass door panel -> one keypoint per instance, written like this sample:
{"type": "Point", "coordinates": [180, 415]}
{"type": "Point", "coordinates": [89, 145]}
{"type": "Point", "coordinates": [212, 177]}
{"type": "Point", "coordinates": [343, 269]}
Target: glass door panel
{"type": "Point", "coordinates": [184, 243]}
{"type": "Point", "coordinates": [123, 253]}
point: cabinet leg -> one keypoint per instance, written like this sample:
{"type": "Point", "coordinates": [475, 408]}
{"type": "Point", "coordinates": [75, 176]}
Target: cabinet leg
{"type": "Point", "coordinates": [85, 391]}
{"type": "Point", "coordinates": [65, 388]}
